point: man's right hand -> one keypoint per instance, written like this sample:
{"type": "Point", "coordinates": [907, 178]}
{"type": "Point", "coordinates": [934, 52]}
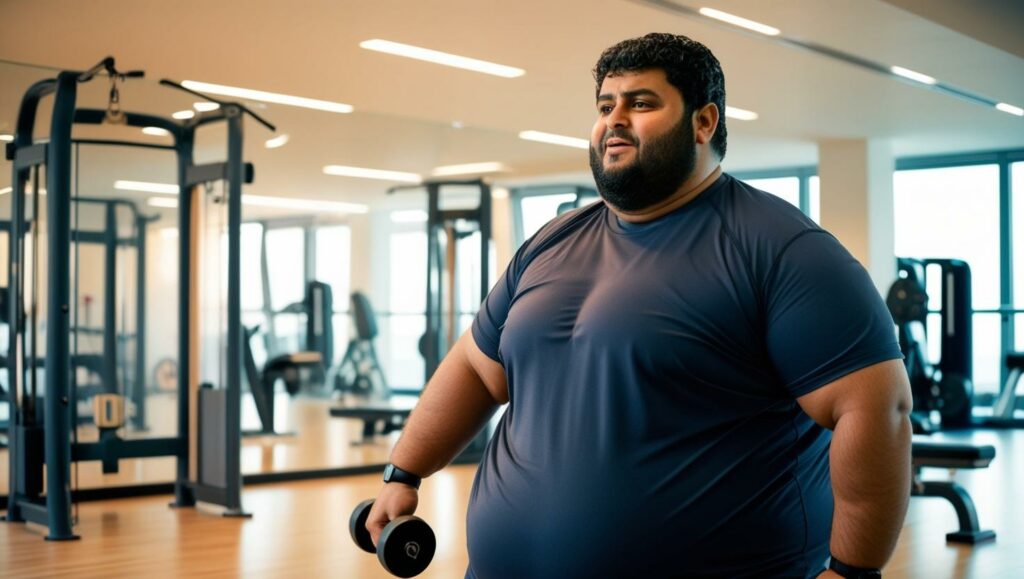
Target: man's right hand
{"type": "Point", "coordinates": [394, 500]}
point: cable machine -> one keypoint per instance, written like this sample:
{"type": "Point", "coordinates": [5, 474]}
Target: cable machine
{"type": "Point", "coordinates": [41, 429]}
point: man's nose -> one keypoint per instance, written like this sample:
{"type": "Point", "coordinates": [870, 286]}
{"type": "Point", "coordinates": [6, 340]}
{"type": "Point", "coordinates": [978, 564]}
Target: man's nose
{"type": "Point", "coordinates": [617, 117]}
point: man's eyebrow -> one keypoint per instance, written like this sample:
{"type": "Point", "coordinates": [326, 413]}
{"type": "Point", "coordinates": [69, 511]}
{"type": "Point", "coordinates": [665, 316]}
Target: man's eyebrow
{"type": "Point", "coordinates": [630, 94]}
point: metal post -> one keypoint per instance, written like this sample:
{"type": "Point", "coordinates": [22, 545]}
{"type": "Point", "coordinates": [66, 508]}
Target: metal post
{"type": "Point", "coordinates": [57, 415]}
{"type": "Point", "coordinates": [183, 493]}
{"type": "Point", "coordinates": [110, 301]}
{"type": "Point", "coordinates": [139, 389]}
{"type": "Point", "coordinates": [233, 420]}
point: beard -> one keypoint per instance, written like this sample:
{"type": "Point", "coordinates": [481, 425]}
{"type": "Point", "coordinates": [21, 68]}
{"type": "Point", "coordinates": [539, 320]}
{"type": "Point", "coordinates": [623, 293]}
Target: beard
{"type": "Point", "coordinates": [661, 166]}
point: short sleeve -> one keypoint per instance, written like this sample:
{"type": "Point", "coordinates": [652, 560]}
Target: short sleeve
{"type": "Point", "coordinates": [825, 319]}
{"type": "Point", "coordinates": [490, 320]}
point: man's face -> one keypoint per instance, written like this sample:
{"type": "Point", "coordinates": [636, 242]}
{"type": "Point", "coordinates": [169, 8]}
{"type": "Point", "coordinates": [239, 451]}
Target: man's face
{"type": "Point", "coordinates": [642, 147]}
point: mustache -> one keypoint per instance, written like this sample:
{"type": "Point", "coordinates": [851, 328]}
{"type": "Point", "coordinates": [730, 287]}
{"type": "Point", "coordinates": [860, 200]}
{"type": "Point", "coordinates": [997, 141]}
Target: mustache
{"type": "Point", "coordinates": [617, 134]}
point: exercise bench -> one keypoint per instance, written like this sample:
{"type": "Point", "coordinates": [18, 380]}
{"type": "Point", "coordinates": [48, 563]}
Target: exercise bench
{"type": "Point", "coordinates": [952, 456]}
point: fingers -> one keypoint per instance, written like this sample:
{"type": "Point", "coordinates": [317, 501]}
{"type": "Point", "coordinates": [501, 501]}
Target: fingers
{"type": "Point", "coordinates": [393, 501]}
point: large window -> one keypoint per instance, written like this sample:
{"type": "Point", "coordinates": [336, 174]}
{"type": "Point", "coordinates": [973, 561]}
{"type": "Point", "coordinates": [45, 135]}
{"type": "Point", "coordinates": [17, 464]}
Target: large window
{"type": "Point", "coordinates": [799, 186]}
{"type": "Point", "coordinates": [954, 213]}
{"type": "Point", "coordinates": [1017, 196]}
{"type": "Point", "coordinates": [406, 320]}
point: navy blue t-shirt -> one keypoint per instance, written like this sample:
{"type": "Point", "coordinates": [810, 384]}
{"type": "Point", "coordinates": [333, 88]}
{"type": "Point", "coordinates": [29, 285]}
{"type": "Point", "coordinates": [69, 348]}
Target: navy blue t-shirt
{"type": "Point", "coordinates": [652, 428]}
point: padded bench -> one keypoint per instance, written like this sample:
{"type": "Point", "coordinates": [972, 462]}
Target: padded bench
{"type": "Point", "coordinates": [952, 456]}
{"type": "Point", "coordinates": [391, 413]}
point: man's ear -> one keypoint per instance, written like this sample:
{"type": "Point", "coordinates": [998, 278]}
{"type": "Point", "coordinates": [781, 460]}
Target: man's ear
{"type": "Point", "coordinates": [705, 122]}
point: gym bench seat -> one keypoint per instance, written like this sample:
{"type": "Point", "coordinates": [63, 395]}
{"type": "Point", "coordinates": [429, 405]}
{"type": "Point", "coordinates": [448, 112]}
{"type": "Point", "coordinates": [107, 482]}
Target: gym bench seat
{"type": "Point", "coordinates": [952, 456]}
{"type": "Point", "coordinates": [393, 415]}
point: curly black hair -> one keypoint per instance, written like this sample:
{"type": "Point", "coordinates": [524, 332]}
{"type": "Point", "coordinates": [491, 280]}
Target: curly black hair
{"type": "Point", "coordinates": [688, 65]}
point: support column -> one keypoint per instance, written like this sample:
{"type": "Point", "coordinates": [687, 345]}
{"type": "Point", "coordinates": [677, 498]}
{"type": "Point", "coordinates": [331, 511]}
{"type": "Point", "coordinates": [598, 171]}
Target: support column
{"type": "Point", "coordinates": [857, 202]}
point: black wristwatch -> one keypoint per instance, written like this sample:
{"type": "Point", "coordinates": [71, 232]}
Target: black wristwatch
{"type": "Point", "coordinates": [851, 572]}
{"type": "Point", "coordinates": [394, 474]}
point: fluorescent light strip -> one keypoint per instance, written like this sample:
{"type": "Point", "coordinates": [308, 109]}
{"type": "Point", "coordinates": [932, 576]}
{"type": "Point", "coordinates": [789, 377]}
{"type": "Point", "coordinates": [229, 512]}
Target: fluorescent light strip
{"type": "Point", "coordinates": [306, 204]}
{"type": "Point", "coordinates": [28, 190]}
{"type": "Point", "coordinates": [6, 138]}
{"type": "Point", "coordinates": [267, 97]}
{"type": "Point", "coordinates": [343, 171]}
{"type": "Point", "coordinates": [469, 169]}
{"type": "Point", "coordinates": [912, 75]}
{"type": "Point", "coordinates": [444, 58]}
{"type": "Point", "coordinates": [555, 139]}
{"type": "Point", "coordinates": [205, 107]}
{"type": "Point", "coordinates": [146, 187]}
{"type": "Point", "coordinates": [6, 190]}
{"type": "Point", "coordinates": [278, 203]}
{"type": "Point", "coordinates": [409, 216]}
{"type": "Point", "coordinates": [740, 114]}
{"type": "Point", "coordinates": [739, 21]}
{"type": "Point", "coordinates": [184, 115]}
{"type": "Point", "coordinates": [156, 131]}
{"type": "Point", "coordinates": [1008, 108]}
{"type": "Point", "coordinates": [277, 142]}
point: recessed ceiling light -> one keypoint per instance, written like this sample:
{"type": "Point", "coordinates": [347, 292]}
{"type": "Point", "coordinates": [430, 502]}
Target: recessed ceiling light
{"type": "Point", "coordinates": [184, 115]}
{"type": "Point", "coordinates": [409, 216]}
{"type": "Point", "coordinates": [740, 114]}
{"type": "Point", "coordinates": [156, 131]}
{"type": "Point", "coordinates": [146, 187]}
{"type": "Point", "coordinates": [343, 171]}
{"type": "Point", "coordinates": [6, 138]}
{"type": "Point", "coordinates": [739, 21]}
{"type": "Point", "coordinates": [1008, 108]}
{"type": "Point", "coordinates": [444, 58]}
{"type": "Point", "coordinates": [269, 97]}
{"type": "Point", "coordinates": [469, 169]}
{"type": "Point", "coordinates": [163, 202]}
{"type": "Point", "coordinates": [555, 139]}
{"type": "Point", "coordinates": [278, 141]}
{"type": "Point", "coordinates": [912, 75]}
{"type": "Point", "coordinates": [205, 107]}
{"type": "Point", "coordinates": [304, 204]}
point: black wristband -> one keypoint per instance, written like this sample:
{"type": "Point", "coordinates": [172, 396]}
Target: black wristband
{"type": "Point", "coordinates": [394, 474]}
{"type": "Point", "coordinates": [851, 572]}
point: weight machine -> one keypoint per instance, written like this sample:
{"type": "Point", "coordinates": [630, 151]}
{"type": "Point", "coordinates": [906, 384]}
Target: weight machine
{"type": "Point", "coordinates": [40, 433]}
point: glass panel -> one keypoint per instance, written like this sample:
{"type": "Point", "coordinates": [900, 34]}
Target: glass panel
{"type": "Point", "coordinates": [252, 279]}
{"type": "Point", "coordinates": [787, 188]}
{"type": "Point", "coordinates": [408, 272]}
{"type": "Point", "coordinates": [987, 363]}
{"type": "Point", "coordinates": [952, 213]}
{"type": "Point", "coordinates": [1017, 196]}
{"type": "Point", "coordinates": [400, 336]}
{"type": "Point", "coordinates": [333, 262]}
{"type": "Point", "coordinates": [286, 267]}
{"type": "Point", "coordinates": [814, 198]}
{"type": "Point", "coordinates": [539, 209]}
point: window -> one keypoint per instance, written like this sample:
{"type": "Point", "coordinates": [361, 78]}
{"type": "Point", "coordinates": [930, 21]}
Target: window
{"type": "Point", "coordinates": [953, 212]}
{"type": "Point", "coordinates": [406, 322]}
{"type": "Point", "coordinates": [333, 251]}
{"type": "Point", "coordinates": [539, 209]}
{"type": "Point", "coordinates": [1017, 196]}
{"type": "Point", "coordinates": [787, 188]}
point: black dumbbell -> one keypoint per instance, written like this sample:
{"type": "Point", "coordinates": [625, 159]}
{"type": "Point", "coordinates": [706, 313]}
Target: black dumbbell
{"type": "Point", "coordinates": [407, 544]}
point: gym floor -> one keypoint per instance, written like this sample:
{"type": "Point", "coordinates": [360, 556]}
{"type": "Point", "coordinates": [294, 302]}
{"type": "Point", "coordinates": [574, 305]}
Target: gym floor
{"type": "Point", "coordinates": [300, 529]}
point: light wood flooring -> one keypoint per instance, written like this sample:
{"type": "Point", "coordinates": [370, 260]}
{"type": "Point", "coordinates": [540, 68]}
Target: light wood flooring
{"type": "Point", "coordinates": [299, 529]}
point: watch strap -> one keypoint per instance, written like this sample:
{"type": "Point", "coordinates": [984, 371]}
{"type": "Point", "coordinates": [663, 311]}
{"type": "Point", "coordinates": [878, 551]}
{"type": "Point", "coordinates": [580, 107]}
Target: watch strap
{"type": "Point", "coordinates": [852, 572]}
{"type": "Point", "coordinates": [394, 474]}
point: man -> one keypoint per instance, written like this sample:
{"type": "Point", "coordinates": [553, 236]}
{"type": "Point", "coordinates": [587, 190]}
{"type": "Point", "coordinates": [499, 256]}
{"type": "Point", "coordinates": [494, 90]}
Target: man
{"type": "Point", "coordinates": [700, 381]}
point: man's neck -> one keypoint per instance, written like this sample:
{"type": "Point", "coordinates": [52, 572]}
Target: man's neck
{"type": "Point", "coordinates": [699, 181]}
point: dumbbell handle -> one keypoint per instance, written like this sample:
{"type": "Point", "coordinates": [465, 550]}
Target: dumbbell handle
{"type": "Point", "coordinates": [406, 544]}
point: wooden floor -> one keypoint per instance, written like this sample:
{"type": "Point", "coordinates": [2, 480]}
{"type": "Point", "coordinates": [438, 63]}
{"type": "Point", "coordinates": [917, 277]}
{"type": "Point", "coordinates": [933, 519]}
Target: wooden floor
{"type": "Point", "coordinates": [300, 530]}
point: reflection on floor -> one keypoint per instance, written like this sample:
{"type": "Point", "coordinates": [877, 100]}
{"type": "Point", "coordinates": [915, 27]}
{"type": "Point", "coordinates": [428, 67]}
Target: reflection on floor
{"type": "Point", "coordinates": [319, 442]}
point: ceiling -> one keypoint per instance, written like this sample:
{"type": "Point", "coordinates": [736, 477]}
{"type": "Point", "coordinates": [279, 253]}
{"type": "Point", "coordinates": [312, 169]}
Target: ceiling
{"type": "Point", "coordinates": [405, 109]}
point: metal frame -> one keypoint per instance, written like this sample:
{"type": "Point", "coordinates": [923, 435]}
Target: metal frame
{"type": "Point", "coordinates": [41, 437]}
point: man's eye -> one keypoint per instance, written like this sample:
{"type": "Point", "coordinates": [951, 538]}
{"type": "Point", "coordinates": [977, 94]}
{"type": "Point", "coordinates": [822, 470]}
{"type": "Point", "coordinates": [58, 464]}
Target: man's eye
{"type": "Point", "coordinates": [605, 109]}
{"type": "Point", "coordinates": [641, 105]}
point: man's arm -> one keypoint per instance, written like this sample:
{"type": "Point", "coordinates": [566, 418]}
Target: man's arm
{"type": "Point", "coordinates": [870, 459]}
{"type": "Point", "coordinates": [458, 401]}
